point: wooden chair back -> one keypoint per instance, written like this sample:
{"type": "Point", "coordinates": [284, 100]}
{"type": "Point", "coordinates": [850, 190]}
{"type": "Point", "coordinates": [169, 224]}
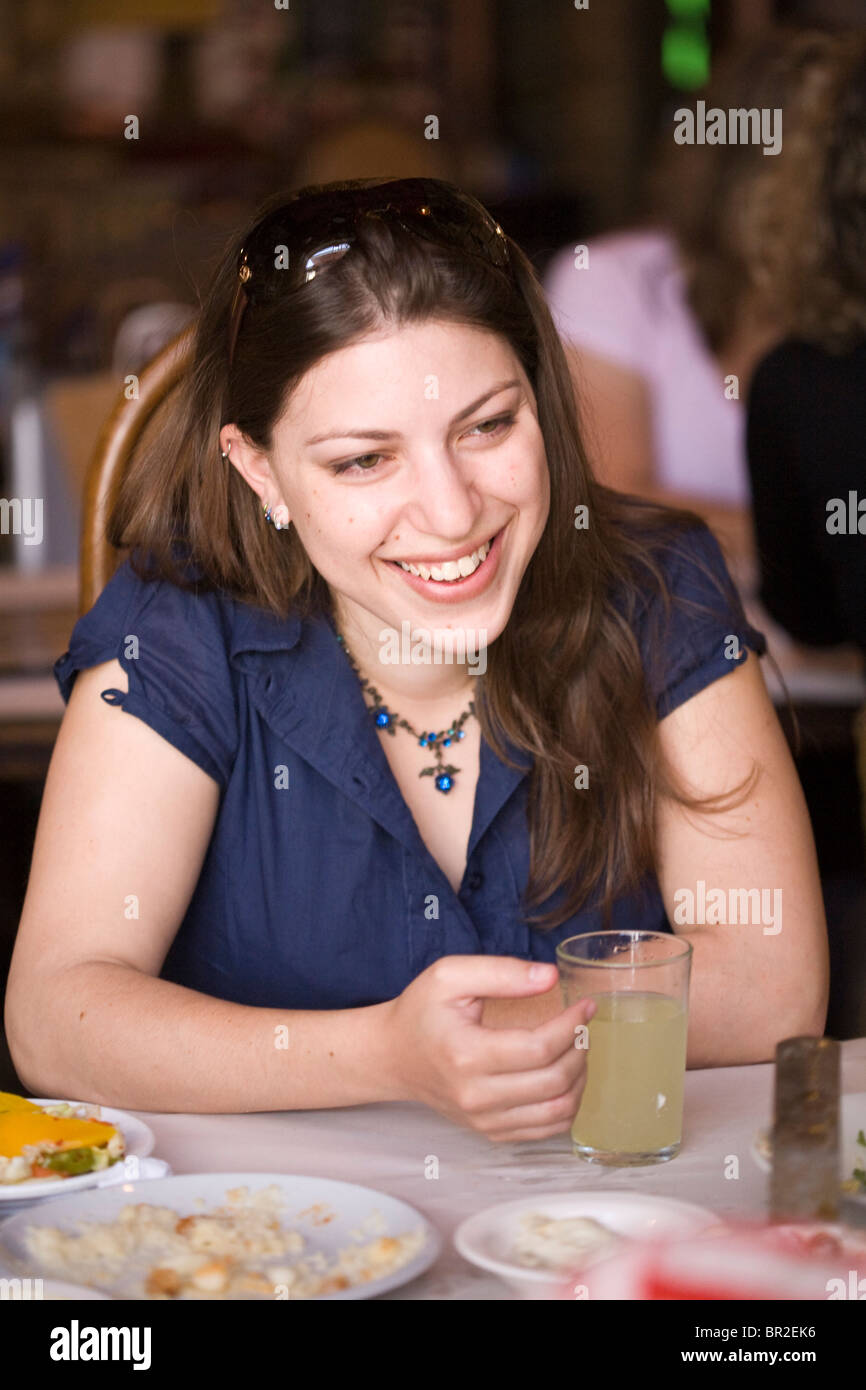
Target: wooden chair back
{"type": "Point", "coordinates": [122, 433]}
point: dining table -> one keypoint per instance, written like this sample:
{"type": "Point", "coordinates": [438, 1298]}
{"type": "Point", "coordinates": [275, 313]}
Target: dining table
{"type": "Point", "coordinates": [449, 1173]}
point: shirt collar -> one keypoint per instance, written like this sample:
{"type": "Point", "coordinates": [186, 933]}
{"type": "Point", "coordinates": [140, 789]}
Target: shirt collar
{"type": "Point", "coordinates": [256, 629]}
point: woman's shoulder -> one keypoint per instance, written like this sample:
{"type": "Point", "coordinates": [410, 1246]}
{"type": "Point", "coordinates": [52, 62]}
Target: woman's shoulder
{"type": "Point", "coordinates": [181, 609]}
{"type": "Point", "coordinates": [683, 607]}
{"type": "Point", "coordinates": [135, 602]}
{"type": "Point", "coordinates": [179, 644]}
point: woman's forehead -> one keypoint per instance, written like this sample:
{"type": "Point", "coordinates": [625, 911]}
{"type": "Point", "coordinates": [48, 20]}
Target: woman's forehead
{"type": "Point", "coordinates": [443, 359]}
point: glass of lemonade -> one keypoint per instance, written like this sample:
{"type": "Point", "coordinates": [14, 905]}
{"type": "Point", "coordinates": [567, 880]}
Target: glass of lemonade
{"type": "Point", "coordinates": [631, 1111]}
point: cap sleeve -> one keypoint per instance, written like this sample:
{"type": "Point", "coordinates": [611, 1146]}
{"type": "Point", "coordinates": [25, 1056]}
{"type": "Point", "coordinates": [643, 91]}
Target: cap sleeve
{"type": "Point", "coordinates": [704, 634]}
{"type": "Point", "coordinates": [172, 645]}
{"type": "Point", "coordinates": [599, 307]}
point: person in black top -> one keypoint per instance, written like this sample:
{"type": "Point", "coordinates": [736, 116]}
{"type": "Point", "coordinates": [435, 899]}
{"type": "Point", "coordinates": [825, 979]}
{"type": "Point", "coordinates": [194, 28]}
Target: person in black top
{"type": "Point", "coordinates": [806, 433]}
{"type": "Point", "coordinates": [806, 426]}
{"type": "Point", "coordinates": [807, 403]}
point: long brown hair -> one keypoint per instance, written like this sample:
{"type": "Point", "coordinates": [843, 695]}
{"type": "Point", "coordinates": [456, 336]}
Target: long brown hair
{"type": "Point", "coordinates": [565, 681]}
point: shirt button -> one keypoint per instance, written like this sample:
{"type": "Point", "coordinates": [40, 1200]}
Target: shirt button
{"type": "Point", "coordinates": [474, 881]}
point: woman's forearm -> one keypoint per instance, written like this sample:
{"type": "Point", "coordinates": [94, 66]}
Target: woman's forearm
{"type": "Point", "coordinates": [109, 1034]}
{"type": "Point", "coordinates": [739, 1006]}
{"type": "Point", "coordinates": [743, 1002]}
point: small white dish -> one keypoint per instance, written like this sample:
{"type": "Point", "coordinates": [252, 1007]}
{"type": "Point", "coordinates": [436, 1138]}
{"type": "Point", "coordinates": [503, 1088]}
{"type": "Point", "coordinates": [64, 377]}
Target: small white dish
{"type": "Point", "coordinates": [138, 1140]}
{"type": "Point", "coordinates": [487, 1239]}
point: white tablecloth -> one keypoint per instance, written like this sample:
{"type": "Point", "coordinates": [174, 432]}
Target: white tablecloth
{"type": "Point", "coordinates": [388, 1147]}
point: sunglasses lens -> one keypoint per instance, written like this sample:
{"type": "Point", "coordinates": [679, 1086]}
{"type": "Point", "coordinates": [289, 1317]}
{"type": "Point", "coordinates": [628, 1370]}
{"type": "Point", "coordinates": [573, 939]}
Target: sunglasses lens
{"type": "Point", "coordinates": [313, 230]}
{"type": "Point", "coordinates": [325, 256]}
{"type": "Point", "coordinates": [311, 226]}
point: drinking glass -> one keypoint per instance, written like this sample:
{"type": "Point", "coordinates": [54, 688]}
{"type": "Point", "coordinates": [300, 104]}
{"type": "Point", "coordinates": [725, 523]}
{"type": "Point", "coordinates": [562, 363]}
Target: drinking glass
{"type": "Point", "coordinates": [631, 1111]}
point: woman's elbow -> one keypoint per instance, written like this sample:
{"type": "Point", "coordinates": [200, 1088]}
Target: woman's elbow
{"type": "Point", "coordinates": [29, 1043]}
{"type": "Point", "coordinates": [29, 1068]}
{"type": "Point", "coordinates": [801, 1012]}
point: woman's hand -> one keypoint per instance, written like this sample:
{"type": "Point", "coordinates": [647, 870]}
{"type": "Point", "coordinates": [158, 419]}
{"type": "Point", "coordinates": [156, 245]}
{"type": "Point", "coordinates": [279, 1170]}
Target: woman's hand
{"type": "Point", "coordinates": [508, 1083]}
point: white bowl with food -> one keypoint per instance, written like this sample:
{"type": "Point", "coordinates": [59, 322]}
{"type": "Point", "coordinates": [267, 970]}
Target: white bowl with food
{"type": "Point", "coordinates": [53, 1146]}
{"type": "Point", "coordinates": [538, 1244]}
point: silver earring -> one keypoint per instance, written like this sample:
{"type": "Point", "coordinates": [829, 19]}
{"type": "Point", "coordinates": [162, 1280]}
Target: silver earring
{"type": "Point", "coordinates": [279, 517]}
{"type": "Point", "coordinates": [224, 453]}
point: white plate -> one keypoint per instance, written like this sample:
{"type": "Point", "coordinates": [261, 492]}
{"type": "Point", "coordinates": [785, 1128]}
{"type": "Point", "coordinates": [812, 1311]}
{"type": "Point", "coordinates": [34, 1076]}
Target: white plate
{"type": "Point", "coordinates": [350, 1204]}
{"type": "Point", "coordinates": [487, 1239]}
{"type": "Point", "coordinates": [56, 1289]}
{"type": "Point", "coordinates": [137, 1137]}
{"type": "Point", "coordinates": [852, 1117]}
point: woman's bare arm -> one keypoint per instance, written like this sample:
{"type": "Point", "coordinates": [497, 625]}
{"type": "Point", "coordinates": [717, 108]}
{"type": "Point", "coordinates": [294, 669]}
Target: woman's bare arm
{"type": "Point", "coordinates": [125, 823]}
{"type": "Point", "coordinates": [753, 982]}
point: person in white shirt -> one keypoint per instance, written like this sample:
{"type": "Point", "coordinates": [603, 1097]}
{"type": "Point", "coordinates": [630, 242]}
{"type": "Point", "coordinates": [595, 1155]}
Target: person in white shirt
{"type": "Point", "coordinates": [665, 323]}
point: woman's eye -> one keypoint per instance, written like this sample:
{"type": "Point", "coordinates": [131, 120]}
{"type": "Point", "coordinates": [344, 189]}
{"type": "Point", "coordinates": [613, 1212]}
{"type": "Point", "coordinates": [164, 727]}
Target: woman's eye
{"type": "Point", "coordinates": [362, 463]}
{"type": "Point", "coordinates": [501, 420]}
{"type": "Point", "coordinates": [357, 463]}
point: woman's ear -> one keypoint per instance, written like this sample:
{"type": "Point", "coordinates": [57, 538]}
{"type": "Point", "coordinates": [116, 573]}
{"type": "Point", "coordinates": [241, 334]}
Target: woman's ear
{"type": "Point", "coordinates": [251, 463]}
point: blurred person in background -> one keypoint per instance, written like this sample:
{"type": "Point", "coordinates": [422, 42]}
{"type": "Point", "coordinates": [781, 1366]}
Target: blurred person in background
{"type": "Point", "coordinates": [665, 324]}
{"type": "Point", "coordinates": [807, 405]}
{"type": "Point", "coordinates": [807, 409]}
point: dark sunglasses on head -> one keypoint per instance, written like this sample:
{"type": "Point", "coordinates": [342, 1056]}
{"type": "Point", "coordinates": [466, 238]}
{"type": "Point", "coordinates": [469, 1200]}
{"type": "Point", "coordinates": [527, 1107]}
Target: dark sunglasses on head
{"type": "Point", "coordinates": [317, 229]}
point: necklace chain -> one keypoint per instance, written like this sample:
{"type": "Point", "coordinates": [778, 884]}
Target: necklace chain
{"type": "Point", "coordinates": [389, 721]}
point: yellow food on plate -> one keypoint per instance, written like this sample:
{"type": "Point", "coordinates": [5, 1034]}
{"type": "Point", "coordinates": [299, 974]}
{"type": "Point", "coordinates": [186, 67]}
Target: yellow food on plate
{"type": "Point", "coordinates": [10, 1102]}
{"type": "Point", "coordinates": [35, 1144]}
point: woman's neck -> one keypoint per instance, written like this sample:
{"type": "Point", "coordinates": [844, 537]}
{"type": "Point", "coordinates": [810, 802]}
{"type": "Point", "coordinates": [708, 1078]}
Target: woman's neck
{"type": "Point", "coordinates": [416, 676]}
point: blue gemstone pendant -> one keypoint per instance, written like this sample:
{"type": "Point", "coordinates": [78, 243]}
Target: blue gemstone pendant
{"type": "Point", "coordinates": [385, 719]}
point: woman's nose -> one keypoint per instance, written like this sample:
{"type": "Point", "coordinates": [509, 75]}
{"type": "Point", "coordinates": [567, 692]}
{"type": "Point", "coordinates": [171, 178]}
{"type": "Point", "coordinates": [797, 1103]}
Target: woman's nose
{"type": "Point", "coordinates": [444, 499]}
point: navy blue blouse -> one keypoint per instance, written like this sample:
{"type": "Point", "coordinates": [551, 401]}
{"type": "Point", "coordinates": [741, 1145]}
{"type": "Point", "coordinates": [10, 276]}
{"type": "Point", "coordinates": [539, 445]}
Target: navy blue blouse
{"type": "Point", "coordinates": [317, 891]}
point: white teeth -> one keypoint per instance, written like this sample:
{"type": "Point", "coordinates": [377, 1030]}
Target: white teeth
{"type": "Point", "coordinates": [450, 569]}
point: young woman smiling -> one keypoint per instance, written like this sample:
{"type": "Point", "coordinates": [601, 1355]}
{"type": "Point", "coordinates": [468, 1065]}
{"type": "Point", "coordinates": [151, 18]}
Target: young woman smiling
{"type": "Point", "coordinates": [256, 856]}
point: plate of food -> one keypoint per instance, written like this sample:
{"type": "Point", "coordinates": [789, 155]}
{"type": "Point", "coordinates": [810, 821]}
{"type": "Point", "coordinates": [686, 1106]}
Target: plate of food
{"type": "Point", "coordinates": [537, 1243]}
{"type": "Point", "coordinates": [49, 1146]}
{"type": "Point", "coordinates": [226, 1236]}
{"type": "Point", "coordinates": [852, 1145]}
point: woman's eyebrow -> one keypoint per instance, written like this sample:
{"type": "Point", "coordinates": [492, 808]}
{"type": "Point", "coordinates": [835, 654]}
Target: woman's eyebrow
{"type": "Point", "coordinates": [395, 434]}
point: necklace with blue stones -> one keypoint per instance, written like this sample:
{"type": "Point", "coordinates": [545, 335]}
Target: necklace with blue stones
{"type": "Point", "coordinates": [387, 720]}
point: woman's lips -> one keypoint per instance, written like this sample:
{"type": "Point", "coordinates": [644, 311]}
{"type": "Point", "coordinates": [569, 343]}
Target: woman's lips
{"type": "Point", "coordinates": [456, 590]}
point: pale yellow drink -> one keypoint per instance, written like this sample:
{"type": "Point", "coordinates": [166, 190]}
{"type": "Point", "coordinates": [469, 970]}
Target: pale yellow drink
{"type": "Point", "coordinates": [633, 1099]}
